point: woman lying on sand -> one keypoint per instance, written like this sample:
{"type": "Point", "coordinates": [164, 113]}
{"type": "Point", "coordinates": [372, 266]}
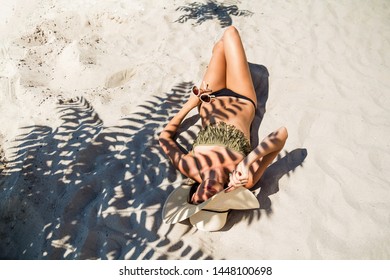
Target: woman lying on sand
{"type": "Point", "coordinates": [221, 158]}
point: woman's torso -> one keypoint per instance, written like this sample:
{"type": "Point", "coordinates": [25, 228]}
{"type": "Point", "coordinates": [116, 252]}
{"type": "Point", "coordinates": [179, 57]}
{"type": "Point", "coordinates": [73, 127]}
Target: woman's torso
{"type": "Point", "coordinates": [231, 110]}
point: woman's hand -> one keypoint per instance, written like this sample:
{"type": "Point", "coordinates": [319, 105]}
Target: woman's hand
{"type": "Point", "coordinates": [194, 99]}
{"type": "Point", "coordinates": [239, 177]}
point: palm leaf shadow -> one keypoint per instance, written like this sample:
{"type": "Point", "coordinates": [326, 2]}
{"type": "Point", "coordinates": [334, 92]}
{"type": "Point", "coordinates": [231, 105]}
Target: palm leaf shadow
{"type": "Point", "coordinates": [202, 12]}
{"type": "Point", "coordinates": [86, 191]}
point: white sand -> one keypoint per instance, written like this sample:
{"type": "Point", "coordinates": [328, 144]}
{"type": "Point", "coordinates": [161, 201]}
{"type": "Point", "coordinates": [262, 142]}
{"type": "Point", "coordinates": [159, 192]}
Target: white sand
{"type": "Point", "coordinates": [85, 87]}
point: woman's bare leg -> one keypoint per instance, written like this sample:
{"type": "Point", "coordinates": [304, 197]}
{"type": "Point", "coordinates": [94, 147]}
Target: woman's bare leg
{"type": "Point", "coordinates": [215, 75]}
{"type": "Point", "coordinates": [229, 67]}
{"type": "Point", "coordinates": [238, 76]}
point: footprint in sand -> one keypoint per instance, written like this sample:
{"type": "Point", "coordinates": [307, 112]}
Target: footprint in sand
{"type": "Point", "coordinates": [119, 78]}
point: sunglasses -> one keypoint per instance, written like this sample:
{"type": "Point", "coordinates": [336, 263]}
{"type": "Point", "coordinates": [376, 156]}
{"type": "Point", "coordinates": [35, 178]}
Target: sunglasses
{"type": "Point", "coordinates": [203, 95]}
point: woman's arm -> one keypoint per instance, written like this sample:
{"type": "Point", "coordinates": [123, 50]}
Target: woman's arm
{"type": "Point", "coordinates": [166, 136]}
{"type": "Point", "coordinates": [168, 144]}
{"type": "Point", "coordinates": [252, 167]}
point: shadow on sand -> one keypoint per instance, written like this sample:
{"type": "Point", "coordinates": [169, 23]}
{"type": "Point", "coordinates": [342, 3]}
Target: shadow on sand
{"type": "Point", "coordinates": [86, 191]}
{"type": "Point", "coordinates": [202, 12]}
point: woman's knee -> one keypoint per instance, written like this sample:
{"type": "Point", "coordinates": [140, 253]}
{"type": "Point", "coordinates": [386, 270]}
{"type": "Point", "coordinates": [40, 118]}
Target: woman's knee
{"type": "Point", "coordinates": [231, 33]}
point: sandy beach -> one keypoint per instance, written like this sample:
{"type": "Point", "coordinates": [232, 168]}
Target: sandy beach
{"type": "Point", "coordinates": [86, 87]}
